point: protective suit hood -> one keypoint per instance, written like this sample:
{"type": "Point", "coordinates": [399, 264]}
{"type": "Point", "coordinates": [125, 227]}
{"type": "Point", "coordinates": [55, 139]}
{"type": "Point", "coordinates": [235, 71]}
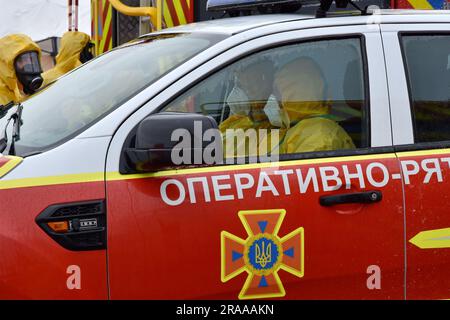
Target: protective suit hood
{"type": "Point", "coordinates": [302, 90]}
{"type": "Point", "coordinates": [11, 47]}
{"type": "Point", "coordinates": [68, 58]}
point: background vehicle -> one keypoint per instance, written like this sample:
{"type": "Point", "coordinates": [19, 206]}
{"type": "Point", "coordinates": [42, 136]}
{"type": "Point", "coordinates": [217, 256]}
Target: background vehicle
{"type": "Point", "coordinates": [116, 28]}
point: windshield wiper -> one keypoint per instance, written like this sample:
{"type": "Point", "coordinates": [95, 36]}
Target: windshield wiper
{"type": "Point", "coordinates": [16, 117]}
{"type": "Point", "coordinates": [3, 112]}
{"type": "Point", "coordinates": [5, 108]}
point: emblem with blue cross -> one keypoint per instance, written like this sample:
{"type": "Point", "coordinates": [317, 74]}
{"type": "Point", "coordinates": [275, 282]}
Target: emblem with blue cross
{"type": "Point", "coordinates": [262, 254]}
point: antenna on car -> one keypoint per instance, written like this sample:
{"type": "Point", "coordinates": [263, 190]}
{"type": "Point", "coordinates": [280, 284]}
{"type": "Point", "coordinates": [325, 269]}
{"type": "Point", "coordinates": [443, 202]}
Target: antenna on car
{"type": "Point", "coordinates": [325, 6]}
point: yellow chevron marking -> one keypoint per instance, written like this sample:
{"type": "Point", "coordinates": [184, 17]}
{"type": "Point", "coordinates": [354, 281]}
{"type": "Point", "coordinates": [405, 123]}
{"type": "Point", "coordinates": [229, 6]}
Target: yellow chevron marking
{"type": "Point", "coordinates": [421, 4]}
{"type": "Point", "coordinates": [100, 17]}
{"type": "Point", "coordinates": [432, 239]}
{"type": "Point", "coordinates": [109, 26]}
{"type": "Point", "coordinates": [106, 27]}
{"type": "Point", "coordinates": [167, 17]}
{"type": "Point", "coordinates": [179, 10]}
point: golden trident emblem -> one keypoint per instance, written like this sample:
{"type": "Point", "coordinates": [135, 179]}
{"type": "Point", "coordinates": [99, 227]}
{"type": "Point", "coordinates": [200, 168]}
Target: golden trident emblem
{"type": "Point", "coordinates": [263, 257]}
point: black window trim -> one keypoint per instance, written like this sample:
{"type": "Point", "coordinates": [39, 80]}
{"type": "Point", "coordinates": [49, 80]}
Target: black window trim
{"type": "Point", "coordinates": [417, 145]}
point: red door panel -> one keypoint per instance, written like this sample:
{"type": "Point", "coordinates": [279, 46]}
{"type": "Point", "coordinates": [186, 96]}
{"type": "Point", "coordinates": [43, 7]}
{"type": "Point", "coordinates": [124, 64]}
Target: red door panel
{"type": "Point", "coordinates": [164, 231]}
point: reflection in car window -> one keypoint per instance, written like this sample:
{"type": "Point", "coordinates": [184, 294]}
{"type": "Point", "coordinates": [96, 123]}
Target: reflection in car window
{"type": "Point", "coordinates": [313, 93]}
{"type": "Point", "coordinates": [91, 91]}
{"type": "Point", "coordinates": [428, 69]}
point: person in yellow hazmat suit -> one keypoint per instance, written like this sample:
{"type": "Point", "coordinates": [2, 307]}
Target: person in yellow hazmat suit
{"type": "Point", "coordinates": [75, 50]}
{"type": "Point", "coordinates": [20, 68]}
{"type": "Point", "coordinates": [304, 111]}
{"type": "Point", "coordinates": [251, 94]}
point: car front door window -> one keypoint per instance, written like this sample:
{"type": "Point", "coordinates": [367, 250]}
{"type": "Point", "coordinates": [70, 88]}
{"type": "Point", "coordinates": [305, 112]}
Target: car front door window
{"type": "Point", "coordinates": [311, 93]}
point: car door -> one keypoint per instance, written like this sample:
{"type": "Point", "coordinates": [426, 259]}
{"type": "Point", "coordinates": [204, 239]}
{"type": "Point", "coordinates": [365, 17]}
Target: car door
{"type": "Point", "coordinates": [334, 219]}
{"type": "Point", "coordinates": [418, 57]}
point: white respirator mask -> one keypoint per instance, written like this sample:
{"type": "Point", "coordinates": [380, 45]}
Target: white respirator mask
{"type": "Point", "coordinates": [273, 112]}
{"type": "Point", "coordinates": [238, 102]}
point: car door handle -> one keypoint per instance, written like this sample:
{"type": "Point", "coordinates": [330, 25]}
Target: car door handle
{"type": "Point", "coordinates": [359, 197]}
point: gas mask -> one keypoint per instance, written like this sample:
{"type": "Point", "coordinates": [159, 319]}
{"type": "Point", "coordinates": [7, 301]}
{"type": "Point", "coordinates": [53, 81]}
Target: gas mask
{"type": "Point", "coordinates": [87, 53]}
{"type": "Point", "coordinates": [28, 70]}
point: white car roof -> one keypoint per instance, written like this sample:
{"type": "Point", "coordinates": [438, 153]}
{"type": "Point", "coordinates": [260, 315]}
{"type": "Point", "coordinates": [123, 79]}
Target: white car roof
{"type": "Point", "coordinates": [230, 26]}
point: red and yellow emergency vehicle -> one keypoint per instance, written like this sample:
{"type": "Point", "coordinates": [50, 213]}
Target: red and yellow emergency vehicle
{"type": "Point", "coordinates": [93, 204]}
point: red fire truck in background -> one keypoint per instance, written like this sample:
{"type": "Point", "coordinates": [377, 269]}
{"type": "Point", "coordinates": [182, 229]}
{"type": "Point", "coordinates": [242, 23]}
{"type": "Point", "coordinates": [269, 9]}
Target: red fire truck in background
{"type": "Point", "coordinates": [111, 28]}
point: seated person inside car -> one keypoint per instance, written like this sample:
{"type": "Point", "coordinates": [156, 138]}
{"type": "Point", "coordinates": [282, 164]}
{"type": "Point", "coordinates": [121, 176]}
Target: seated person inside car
{"type": "Point", "coordinates": [247, 101]}
{"type": "Point", "coordinates": [303, 100]}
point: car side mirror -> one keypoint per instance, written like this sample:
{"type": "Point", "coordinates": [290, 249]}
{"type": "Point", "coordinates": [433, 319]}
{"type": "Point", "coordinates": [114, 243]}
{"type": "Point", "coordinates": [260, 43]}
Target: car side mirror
{"type": "Point", "coordinates": [172, 140]}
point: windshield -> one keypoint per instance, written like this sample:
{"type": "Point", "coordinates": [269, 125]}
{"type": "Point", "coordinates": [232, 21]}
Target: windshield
{"type": "Point", "coordinates": [77, 100]}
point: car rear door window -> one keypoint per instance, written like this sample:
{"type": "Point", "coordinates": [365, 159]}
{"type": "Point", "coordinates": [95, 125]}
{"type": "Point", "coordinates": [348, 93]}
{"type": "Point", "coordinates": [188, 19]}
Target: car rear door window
{"type": "Point", "coordinates": [427, 62]}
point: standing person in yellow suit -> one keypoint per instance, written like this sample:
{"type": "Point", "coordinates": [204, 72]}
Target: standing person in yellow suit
{"type": "Point", "coordinates": [303, 95]}
{"type": "Point", "coordinates": [75, 50]}
{"type": "Point", "coordinates": [20, 68]}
